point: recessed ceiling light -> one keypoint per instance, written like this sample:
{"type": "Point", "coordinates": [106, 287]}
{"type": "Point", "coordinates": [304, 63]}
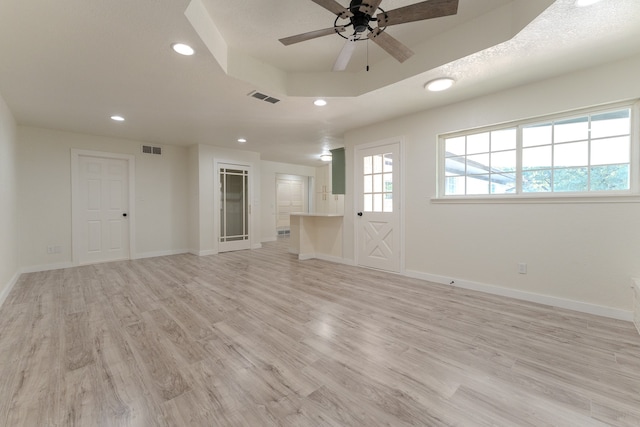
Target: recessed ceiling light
{"type": "Point", "coordinates": [325, 157]}
{"type": "Point", "coordinates": [438, 85]}
{"type": "Point", "coordinates": [183, 49]}
{"type": "Point", "coordinates": [319, 102]}
{"type": "Point", "coordinates": [583, 3]}
{"type": "Point", "coordinates": [242, 140]}
{"type": "Point", "coordinates": [117, 118]}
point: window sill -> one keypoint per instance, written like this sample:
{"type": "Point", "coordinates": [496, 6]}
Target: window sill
{"type": "Point", "coordinates": [626, 198]}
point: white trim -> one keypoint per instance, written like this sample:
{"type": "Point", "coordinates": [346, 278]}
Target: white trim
{"type": "Point", "coordinates": [269, 239]}
{"type": "Point", "coordinates": [635, 286]}
{"type": "Point", "coordinates": [161, 253]}
{"type": "Point", "coordinates": [75, 173]}
{"type": "Point", "coordinates": [8, 287]}
{"type": "Point", "coordinates": [582, 307]}
{"type": "Point", "coordinates": [507, 199]}
{"type": "Point", "coordinates": [256, 246]}
{"type": "Point", "coordinates": [337, 260]}
{"type": "Point", "coordinates": [204, 253]}
{"type": "Point", "coordinates": [47, 267]}
{"type": "Point", "coordinates": [323, 257]}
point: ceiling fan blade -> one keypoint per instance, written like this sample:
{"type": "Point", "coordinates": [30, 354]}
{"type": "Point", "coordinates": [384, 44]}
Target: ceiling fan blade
{"type": "Point", "coordinates": [345, 55]}
{"type": "Point", "coordinates": [370, 7]}
{"type": "Point", "coordinates": [390, 44]}
{"type": "Point", "coordinates": [311, 35]}
{"type": "Point", "coordinates": [417, 12]}
{"type": "Point", "coordinates": [335, 8]}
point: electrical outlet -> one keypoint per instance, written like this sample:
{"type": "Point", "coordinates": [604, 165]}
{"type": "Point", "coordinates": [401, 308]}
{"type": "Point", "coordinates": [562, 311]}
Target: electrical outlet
{"type": "Point", "coordinates": [522, 268]}
{"type": "Point", "coordinates": [54, 249]}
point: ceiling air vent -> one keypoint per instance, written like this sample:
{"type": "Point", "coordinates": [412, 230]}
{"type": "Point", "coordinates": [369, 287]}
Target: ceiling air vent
{"type": "Point", "coordinates": [263, 97]}
{"type": "Point", "coordinates": [148, 149]}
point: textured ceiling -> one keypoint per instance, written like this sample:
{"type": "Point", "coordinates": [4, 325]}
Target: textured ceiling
{"type": "Point", "coordinates": [71, 64]}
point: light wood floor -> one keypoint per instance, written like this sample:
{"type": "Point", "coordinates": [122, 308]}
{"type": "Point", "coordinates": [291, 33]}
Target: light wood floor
{"type": "Point", "coordinates": [257, 338]}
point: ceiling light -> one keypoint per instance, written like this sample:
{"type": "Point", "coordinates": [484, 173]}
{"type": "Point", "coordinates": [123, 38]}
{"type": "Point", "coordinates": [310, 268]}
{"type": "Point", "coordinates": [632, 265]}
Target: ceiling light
{"type": "Point", "coordinates": [242, 140]}
{"type": "Point", "coordinates": [183, 49]}
{"type": "Point", "coordinates": [117, 118]}
{"type": "Point", "coordinates": [325, 157]}
{"type": "Point", "coordinates": [319, 102]}
{"type": "Point", "coordinates": [438, 85]}
{"type": "Point", "coordinates": [583, 3]}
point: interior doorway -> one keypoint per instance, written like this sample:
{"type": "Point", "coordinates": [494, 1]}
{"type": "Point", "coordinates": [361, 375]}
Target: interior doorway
{"type": "Point", "coordinates": [292, 195]}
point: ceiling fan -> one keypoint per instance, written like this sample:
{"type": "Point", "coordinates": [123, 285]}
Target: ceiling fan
{"type": "Point", "coordinates": [359, 15]}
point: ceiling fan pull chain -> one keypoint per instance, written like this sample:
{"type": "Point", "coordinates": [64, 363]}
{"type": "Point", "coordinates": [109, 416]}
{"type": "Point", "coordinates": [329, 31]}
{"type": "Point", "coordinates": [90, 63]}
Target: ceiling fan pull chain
{"type": "Point", "coordinates": [367, 55]}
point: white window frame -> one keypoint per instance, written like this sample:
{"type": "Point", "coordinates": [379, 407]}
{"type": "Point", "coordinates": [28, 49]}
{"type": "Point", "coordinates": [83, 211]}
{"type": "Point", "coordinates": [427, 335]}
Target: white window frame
{"type": "Point", "coordinates": [632, 194]}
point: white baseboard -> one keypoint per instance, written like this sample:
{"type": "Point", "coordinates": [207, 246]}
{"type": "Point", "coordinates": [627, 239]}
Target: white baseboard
{"type": "Point", "coordinates": [204, 253]}
{"type": "Point", "coordinates": [337, 260]}
{"type": "Point", "coordinates": [257, 246]}
{"type": "Point", "coordinates": [583, 307]}
{"type": "Point", "coordinates": [635, 286]}
{"type": "Point", "coordinates": [8, 287]}
{"type": "Point", "coordinates": [47, 267]}
{"type": "Point", "coordinates": [323, 257]}
{"type": "Point", "coordinates": [161, 253]}
{"type": "Point", "coordinates": [269, 239]}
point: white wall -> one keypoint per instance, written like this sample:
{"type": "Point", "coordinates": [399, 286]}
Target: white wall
{"type": "Point", "coordinates": [194, 199]}
{"type": "Point", "coordinates": [207, 214]}
{"type": "Point", "coordinates": [268, 190]}
{"type": "Point", "coordinates": [8, 201]}
{"type": "Point", "coordinates": [585, 253]}
{"type": "Point", "coordinates": [44, 199]}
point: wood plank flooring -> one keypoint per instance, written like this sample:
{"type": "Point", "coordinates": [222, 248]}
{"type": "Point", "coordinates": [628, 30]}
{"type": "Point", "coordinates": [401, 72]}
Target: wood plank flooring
{"type": "Point", "coordinates": [258, 338]}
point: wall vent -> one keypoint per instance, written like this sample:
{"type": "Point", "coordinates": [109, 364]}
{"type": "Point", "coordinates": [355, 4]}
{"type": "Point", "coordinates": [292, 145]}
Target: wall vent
{"type": "Point", "coordinates": [263, 97]}
{"type": "Point", "coordinates": [148, 149]}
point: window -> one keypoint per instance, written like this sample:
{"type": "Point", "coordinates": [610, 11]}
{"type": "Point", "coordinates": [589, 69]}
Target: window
{"type": "Point", "coordinates": [588, 152]}
{"type": "Point", "coordinates": [378, 183]}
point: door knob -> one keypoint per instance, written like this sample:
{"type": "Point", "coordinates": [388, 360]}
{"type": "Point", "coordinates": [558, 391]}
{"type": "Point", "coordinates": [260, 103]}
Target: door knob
{"type": "Point", "coordinates": [124, 214]}
{"type": "Point", "coordinates": [359, 213]}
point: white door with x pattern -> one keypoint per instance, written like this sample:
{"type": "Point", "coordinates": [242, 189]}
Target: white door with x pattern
{"type": "Point", "coordinates": [378, 207]}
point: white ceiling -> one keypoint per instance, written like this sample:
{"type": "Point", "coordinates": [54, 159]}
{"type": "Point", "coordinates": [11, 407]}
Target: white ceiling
{"type": "Point", "coordinates": [71, 64]}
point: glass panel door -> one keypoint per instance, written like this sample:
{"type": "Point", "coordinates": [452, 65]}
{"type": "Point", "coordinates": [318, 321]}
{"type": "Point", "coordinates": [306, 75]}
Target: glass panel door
{"type": "Point", "coordinates": [234, 208]}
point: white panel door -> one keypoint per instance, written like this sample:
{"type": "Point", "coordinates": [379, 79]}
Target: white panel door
{"type": "Point", "coordinates": [289, 198]}
{"type": "Point", "coordinates": [378, 207]}
{"type": "Point", "coordinates": [103, 208]}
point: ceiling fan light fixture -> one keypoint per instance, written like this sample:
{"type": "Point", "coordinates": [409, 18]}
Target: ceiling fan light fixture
{"type": "Point", "coordinates": [319, 102]}
{"type": "Point", "coordinates": [117, 118]}
{"type": "Point", "coordinates": [183, 49]}
{"type": "Point", "coordinates": [325, 157]}
{"type": "Point", "coordinates": [242, 140]}
{"type": "Point", "coordinates": [439, 85]}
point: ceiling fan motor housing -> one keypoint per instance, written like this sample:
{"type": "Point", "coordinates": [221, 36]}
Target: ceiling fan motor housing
{"type": "Point", "coordinates": [359, 20]}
